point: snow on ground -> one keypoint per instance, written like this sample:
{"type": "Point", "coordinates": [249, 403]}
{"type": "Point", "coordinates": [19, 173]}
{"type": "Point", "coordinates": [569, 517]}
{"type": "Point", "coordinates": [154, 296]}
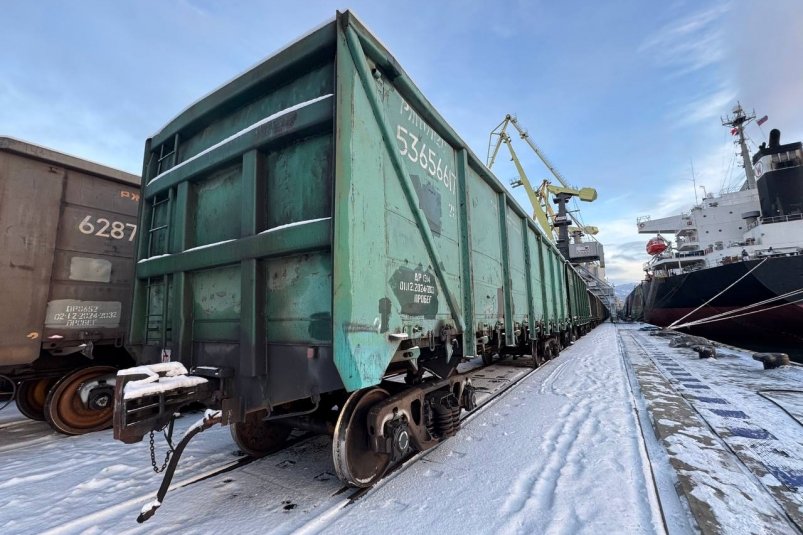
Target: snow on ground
{"type": "Point", "coordinates": [730, 429]}
{"type": "Point", "coordinates": [561, 452]}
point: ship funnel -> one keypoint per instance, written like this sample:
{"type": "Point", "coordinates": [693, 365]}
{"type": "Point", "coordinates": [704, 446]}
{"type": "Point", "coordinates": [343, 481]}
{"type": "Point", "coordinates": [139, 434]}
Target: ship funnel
{"type": "Point", "coordinates": [775, 138]}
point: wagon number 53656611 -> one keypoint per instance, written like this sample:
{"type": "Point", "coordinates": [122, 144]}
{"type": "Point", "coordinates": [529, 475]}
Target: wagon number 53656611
{"type": "Point", "coordinates": [104, 228]}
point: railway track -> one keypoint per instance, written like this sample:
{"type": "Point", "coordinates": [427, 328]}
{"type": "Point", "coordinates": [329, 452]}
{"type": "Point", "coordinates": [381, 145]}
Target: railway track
{"type": "Point", "coordinates": [350, 495]}
{"type": "Point", "coordinates": [492, 382]}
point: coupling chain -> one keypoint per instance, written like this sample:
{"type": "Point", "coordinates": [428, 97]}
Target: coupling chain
{"type": "Point", "coordinates": [168, 435]}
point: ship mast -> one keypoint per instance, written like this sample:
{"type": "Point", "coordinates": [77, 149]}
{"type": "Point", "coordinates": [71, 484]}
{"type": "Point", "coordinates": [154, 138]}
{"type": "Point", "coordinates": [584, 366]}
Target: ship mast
{"type": "Point", "coordinates": [737, 122]}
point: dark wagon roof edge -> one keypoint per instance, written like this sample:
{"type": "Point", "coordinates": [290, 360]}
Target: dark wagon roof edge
{"type": "Point", "coordinates": [321, 40]}
{"type": "Point", "coordinates": [32, 150]}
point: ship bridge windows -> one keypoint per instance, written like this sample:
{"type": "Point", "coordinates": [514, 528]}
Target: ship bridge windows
{"type": "Point", "coordinates": [782, 160]}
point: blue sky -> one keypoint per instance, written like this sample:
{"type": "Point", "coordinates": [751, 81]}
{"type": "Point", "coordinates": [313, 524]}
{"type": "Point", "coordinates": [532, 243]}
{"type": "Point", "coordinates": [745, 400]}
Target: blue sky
{"type": "Point", "coordinates": [621, 95]}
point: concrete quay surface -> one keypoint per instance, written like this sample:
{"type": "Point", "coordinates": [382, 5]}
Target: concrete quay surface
{"type": "Point", "coordinates": [730, 429]}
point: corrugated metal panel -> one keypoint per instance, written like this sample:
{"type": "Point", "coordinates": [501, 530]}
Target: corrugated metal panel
{"type": "Point", "coordinates": [68, 230]}
{"type": "Point", "coordinates": [317, 205]}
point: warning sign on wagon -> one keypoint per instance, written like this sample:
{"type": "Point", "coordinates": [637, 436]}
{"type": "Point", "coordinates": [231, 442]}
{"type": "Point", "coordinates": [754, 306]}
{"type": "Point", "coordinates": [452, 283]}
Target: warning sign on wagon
{"type": "Point", "coordinates": [75, 314]}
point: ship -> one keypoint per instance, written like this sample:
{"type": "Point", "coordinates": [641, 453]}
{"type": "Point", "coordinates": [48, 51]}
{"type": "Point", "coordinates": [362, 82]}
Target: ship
{"type": "Point", "coordinates": [734, 271]}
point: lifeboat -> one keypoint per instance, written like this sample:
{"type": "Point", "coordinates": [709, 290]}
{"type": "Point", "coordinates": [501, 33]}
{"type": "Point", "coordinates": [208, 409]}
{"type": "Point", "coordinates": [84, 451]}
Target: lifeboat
{"type": "Point", "coordinates": [656, 246]}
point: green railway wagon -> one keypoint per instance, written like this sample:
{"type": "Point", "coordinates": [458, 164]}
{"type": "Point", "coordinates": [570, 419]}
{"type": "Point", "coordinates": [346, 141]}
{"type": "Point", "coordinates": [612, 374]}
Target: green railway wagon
{"type": "Point", "coordinates": [312, 228]}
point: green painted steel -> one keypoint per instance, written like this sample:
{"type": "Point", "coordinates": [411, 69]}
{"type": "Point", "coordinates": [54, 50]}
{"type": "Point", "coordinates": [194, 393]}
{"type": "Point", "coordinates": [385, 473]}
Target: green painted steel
{"type": "Point", "coordinates": [466, 257]}
{"type": "Point", "coordinates": [507, 290]}
{"type": "Point", "coordinates": [318, 207]}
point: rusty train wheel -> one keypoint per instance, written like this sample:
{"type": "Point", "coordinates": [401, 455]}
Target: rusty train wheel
{"type": "Point", "coordinates": [32, 395]}
{"type": "Point", "coordinates": [256, 437]}
{"type": "Point", "coordinates": [67, 413]}
{"type": "Point", "coordinates": [355, 461]}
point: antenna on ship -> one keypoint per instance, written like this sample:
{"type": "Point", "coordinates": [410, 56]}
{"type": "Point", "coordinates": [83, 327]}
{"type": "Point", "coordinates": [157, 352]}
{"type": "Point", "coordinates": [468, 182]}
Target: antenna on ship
{"type": "Point", "coordinates": [737, 122]}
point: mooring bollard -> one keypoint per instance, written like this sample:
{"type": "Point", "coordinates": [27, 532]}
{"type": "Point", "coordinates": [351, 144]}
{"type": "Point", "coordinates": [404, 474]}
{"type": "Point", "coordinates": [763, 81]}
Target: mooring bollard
{"type": "Point", "coordinates": [772, 360]}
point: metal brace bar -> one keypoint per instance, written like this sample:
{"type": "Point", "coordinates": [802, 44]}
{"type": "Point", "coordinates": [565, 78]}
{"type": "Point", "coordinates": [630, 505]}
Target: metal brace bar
{"type": "Point", "coordinates": [361, 63]}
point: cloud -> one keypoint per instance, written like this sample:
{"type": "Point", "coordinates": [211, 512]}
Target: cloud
{"type": "Point", "coordinates": [623, 265]}
{"type": "Point", "coordinates": [692, 52]}
{"type": "Point", "coordinates": [691, 43]}
{"type": "Point", "coordinates": [765, 59]}
{"type": "Point", "coordinates": [618, 199]}
{"type": "Point", "coordinates": [624, 246]}
{"type": "Point", "coordinates": [706, 107]}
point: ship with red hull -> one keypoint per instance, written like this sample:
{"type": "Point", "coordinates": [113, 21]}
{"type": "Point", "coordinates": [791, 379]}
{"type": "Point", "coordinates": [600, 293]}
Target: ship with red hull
{"type": "Point", "coordinates": [734, 271]}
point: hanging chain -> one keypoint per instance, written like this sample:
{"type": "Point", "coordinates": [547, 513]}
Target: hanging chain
{"type": "Point", "coordinates": [168, 435]}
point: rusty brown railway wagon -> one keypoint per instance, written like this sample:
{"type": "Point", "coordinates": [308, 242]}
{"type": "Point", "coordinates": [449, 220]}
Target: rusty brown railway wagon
{"type": "Point", "coordinates": [68, 233]}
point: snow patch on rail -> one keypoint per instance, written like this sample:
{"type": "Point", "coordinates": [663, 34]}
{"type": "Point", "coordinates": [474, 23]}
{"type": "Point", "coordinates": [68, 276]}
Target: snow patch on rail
{"type": "Point", "coordinates": [154, 504]}
{"type": "Point", "coordinates": [169, 369]}
{"type": "Point", "coordinates": [137, 389]}
{"type": "Point", "coordinates": [174, 377]}
{"type": "Point", "coordinates": [208, 415]}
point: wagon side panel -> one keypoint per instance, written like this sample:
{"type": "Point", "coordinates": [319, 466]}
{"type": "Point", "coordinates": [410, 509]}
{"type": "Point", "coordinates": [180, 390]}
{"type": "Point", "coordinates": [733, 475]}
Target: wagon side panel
{"type": "Point", "coordinates": [30, 194]}
{"type": "Point", "coordinates": [92, 268]}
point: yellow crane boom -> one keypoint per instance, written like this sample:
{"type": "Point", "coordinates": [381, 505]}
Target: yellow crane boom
{"type": "Point", "coordinates": [542, 209]}
{"type": "Point", "coordinates": [535, 198]}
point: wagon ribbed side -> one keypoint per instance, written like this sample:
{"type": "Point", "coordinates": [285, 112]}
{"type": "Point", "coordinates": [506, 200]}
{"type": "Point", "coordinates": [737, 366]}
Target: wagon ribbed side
{"type": "Point", "coordinates": [66, 267]}
{"type": "Point", "coordinates": [313, 229]}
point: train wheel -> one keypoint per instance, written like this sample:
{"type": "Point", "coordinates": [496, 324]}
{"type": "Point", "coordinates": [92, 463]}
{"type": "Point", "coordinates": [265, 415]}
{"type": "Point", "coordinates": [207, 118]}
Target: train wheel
{"type": "Point", "coordinates": [31, 397]}
{"type": "Point", "coordinates": [556, 348]}
{"type": "Point", "coordinates": [356, 463]}
{"type": "Point", "coordinates": [257, 437]}
{"type": "Point", "coordinates": [67, 413]}
{"type": "Point", "coordinates": [487, 358]}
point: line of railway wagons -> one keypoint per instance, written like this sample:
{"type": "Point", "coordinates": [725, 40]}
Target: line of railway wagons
{"type": "Point", "coordinates": [633, 308]}
{"type": "Point", "coordinates": [314, 229]}
{"type": "Point", "coordinates": [311, 233]}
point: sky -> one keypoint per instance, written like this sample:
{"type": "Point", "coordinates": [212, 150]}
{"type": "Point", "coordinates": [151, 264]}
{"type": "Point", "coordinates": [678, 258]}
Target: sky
{"type": "Point", "coordinates": [624, 95]}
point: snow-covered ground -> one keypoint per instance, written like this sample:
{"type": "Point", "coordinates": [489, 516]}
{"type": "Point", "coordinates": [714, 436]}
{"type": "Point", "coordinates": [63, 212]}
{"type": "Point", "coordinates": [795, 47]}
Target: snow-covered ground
{"type": "Point", "coordinates": [568, 449]}
{"type": "Point", "coordinates": [731, 432]}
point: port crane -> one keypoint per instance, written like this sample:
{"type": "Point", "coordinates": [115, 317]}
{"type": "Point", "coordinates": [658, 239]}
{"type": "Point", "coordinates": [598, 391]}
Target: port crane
{"type": "Point", "coordinates": [559, 223]}
{"type": "Point", "coordinates": [539, 198]}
